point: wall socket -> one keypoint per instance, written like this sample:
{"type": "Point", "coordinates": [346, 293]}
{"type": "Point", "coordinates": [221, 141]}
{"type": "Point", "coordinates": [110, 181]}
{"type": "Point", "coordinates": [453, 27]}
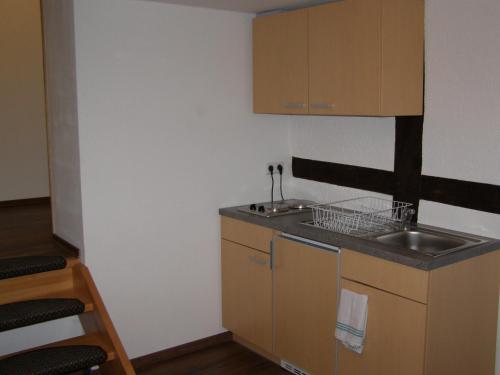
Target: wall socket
{"type": "Point", "coordinates": [275, 166]}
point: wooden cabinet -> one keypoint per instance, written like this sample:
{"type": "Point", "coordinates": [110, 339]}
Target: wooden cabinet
{"type": "Point", "coordinates": [305, 304]}
{"type": "Point", "coordinates": [280, 63]}
{"type": "Point", "coordinates": [395, 278]}
{"type": "Point", "coordinates": [247, 234]}
{"type": "Point", "coordinates": [463, 317]}
{"type": "Point", "coordinates": [287, 312]}
{"type": "Point", "coordinates": [344, 58]}
{"type": "Point", "coordinates": [395, 336]}
{"type": "Point", "coordinates": [247, 294]}
{"type": "Point", "coordinates": [350, 57]}
{"type": "Point", "coordinates": [439, 322]}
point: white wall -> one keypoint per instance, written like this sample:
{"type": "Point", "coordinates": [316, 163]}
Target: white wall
{"type": "Point", "coordinates": [62, 120]}
{"type": "Point", "coordinates": [45, 333]}
{"type": "Point", "coordinates": [461, 130]}
{"type": "Point", "coordinates": [167, 136]}
{"type": "Point", "coordinates": [362, 141]}
{"type": "Point", "coordinates": [23, 140]}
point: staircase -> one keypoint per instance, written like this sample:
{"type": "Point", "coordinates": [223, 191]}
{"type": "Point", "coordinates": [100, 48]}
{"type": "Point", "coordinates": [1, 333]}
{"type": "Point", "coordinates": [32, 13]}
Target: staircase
{"type": "Point", "coordinates": [43, 288]}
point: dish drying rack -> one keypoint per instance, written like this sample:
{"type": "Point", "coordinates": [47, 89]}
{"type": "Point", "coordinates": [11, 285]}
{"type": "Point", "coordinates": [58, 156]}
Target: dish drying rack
{"type": "Point", "coordinates": [362, 216]}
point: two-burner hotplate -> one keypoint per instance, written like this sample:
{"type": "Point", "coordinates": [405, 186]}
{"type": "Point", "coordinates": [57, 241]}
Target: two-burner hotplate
{"type": "Point", "coordinates": [278, 208]}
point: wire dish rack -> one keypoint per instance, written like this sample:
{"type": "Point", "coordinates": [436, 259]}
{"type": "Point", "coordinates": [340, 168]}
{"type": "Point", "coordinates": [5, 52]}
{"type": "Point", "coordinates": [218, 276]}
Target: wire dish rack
{"type": "Point", "coordinates": [362, 216]}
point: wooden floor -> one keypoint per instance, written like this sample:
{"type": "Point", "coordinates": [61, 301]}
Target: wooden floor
{"type": "Point", "coordinates": [224, 359]}
{"type": "Point", "coordinates": [27, 230]}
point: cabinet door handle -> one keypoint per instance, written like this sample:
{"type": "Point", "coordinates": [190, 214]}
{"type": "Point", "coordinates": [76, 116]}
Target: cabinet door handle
{"type": "Point", "coordinates": [271, 255]}
{"type": "Point", "coordinates": [294, 105]}
{"type": "Point", "coordinates": [256, 259]}
{"type": "Point", "coordinates": [323, 105]}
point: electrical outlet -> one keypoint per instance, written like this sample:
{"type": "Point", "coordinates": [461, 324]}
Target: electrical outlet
{"type": "Point", "coordinates": [281, 166]}
{"type": "Point", "coordinates": [268, 165]}
{"type": "Point", "coordinates": [275, 164]}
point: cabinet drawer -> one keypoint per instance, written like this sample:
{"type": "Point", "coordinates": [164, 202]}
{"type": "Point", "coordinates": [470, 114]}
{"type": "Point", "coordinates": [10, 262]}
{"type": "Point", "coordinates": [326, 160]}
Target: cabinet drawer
{"type": "Point", "coordinates": [246, 234]}
{"type": "Point", "coordinates": [382, 274]}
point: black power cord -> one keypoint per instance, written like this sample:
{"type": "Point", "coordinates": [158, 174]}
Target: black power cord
{"type": "Point", "coordinates": [271, 172]}
{"type": "Point", "coordinates": [280, 171]}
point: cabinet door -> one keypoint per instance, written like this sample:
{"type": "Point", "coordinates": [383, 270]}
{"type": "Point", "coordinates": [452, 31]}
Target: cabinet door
{"type": "Point", "coordinates": [305, 300]}
{"type": "Point", "coordinates": [247, 294]}
{"type": "Point", "coordinates": [280, 63]}
{"type": "Point", "coordinates": [403, 57]}
{"type": "Point", "coordinates": [345, 54]}
{"type": "Point", "coordinates": [395, 336]}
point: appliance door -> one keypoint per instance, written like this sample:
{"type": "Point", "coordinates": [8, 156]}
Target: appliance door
{"type": "Point", "coordinates": [305, 285]}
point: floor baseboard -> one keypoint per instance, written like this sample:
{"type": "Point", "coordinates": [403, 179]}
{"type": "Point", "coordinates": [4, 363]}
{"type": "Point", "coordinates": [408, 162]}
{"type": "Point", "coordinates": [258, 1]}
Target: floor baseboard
{"type": "Point", "coordinates": [177, 351]}
{"type": "Point", "coordinates": [25, 202]}
{"type": "Point", "coordinates": [66, 244]}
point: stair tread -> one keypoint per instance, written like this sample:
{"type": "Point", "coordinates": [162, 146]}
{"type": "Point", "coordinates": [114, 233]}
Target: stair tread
{"type": "Point", "coordinates": [14, 267]}
{"type": "Point", "coordinates": [54, 360]}
{"type": "Point", "coordinates": [25, 313]}
{"type": "Point", "coordinates": [92, 339]}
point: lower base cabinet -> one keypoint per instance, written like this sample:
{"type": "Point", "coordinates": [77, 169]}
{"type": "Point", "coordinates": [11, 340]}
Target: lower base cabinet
{"type": "Point", "coordinates": [305, 304]}
{"type": "Point", "coordinates": [395, 336]}
{"type": "Point", "coordinates": [438, 322]}
{"type": "Point", "coordinates": [247, 294]}
{"type": "Point", "coordinates": [282, 301]}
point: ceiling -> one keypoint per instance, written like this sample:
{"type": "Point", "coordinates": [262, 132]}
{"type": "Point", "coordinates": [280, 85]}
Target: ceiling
{"type": "Point", "coordinates": [248, 6]}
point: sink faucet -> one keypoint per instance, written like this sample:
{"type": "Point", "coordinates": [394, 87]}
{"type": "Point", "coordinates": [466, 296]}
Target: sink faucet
{"type": "Point", "coordinates": [406, 220]}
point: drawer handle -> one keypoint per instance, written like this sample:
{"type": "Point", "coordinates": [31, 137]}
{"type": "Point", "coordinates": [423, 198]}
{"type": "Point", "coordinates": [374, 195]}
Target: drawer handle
{"type": "Point", "coordinates": [323, 105]}
{"type": "Point", "coordinates": [256, 259]}
{"type": "Point", "coordinates": [294, 105]}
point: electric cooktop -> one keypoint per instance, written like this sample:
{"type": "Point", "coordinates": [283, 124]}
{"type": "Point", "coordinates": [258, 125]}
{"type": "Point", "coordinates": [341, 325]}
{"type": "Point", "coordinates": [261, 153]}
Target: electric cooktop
{"type": "Point", "coordinates": [277, 208]}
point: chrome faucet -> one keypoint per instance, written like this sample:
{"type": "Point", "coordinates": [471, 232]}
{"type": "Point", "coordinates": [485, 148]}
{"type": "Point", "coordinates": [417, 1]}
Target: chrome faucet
{"type": "Point", "coordinates": [406, 220]}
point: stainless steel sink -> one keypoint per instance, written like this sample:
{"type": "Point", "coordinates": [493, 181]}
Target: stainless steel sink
{"type": "Point", "coordinates": [428, 242]}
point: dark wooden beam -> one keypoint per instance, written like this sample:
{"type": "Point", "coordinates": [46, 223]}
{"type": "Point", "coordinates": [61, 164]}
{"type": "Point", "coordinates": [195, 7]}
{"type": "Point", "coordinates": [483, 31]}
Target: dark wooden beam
{"type": "Point", "coordinates": [407, 185]}
{"type": "Point", "coordinates": [344, 175]}
{"type": "Point", "coordinates": [473, 195]}
{"type": "Point", "coordinates": [408, 160]}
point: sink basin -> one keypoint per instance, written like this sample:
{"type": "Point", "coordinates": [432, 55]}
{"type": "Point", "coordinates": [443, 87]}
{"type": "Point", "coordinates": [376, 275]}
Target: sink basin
{"type": "Point", "coordinates": [428, 242]}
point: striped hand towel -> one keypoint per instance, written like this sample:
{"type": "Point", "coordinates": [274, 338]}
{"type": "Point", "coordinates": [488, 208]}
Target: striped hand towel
{"type": "Point", "coordinates": [351, 320]}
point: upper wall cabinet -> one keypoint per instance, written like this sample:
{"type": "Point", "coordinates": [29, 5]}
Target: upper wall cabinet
{"type": "Point", "coordinates": [281, 63]}
{"type": "Point", "coordinates": [350, 57]}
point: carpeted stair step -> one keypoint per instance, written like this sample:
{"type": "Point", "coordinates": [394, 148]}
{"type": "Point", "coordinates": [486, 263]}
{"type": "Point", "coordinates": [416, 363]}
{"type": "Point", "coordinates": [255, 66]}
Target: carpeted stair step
{"type": "Point", "coordinates": [25, 313]}
{"type": "Point", "coordinates": [14, 267]}
{"type": "Point", "coordinates": [53, 361]}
